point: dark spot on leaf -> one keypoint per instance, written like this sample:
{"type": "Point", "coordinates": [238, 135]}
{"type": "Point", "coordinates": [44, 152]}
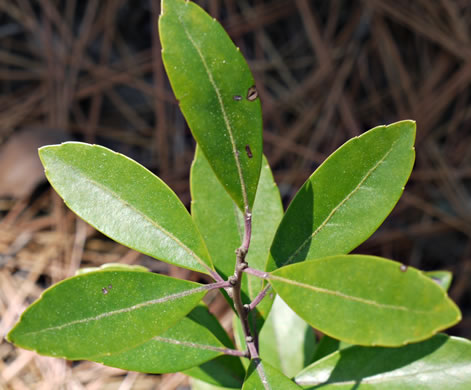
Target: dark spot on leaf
{"type": "Point", "coordinates": [249, 152]}
{"type": "Point", "coordinates": [403, 268]}
{"type": "Point", "coordinates": [104, 291]}
{"type": "Point", "coordinates": [237, 98]}
{"type": "Point", "coordinates": [252, 94]}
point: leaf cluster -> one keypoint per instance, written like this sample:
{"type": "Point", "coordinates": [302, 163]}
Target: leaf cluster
{"type": "Point", "coordinates": [284, 273]}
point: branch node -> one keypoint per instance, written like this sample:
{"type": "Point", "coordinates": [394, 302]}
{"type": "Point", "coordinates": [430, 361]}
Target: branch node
{"type": "Point", "coordinates": [241, 252]}
{"type": "Point", "coordinates": [241, 266]}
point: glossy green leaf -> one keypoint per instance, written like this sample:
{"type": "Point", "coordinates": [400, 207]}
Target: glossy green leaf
{"type": "Point", "coordinates": [126, 202]}
{"type": "Point", "coordinates": [189, 343]}
{"type": "Point", "coordinates": [104, 312]}
{"type": "Point", "coordinates": [224, 371]}
{"type": "Point", "coordinates": [442, 278]}
{"type": "Point", "coordinates": [215, 214]}
{"type": "Point", "coordinates": [365, 300]}
{"type": "Point", "coordinates": [221, 223]}
{"type": "Point", "coordinates": [286, 341]}
{"type": "Point", "coordinates": [439, 363]}
{"type": "Point", "coordinates": [211, 80]}
{"type": "Point", "coordinates": [262, 376]}
{"type": "Point", "coordinates": [347, 197]}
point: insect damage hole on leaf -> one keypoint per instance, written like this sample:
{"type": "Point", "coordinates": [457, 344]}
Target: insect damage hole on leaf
{"type": "Point", "coordinates": [358, 299]}
{"type": "Point", "coordinates": [252, 93]}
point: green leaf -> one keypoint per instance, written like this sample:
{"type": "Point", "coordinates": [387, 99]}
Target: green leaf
{"type": "Point", "coordinates": [224, 371]}
{"type": "Point", "coordinates": [286, 340]}
{"type": "Point", "coordinates": [365, 300]}
{"type": "Point", "coordinates": [439, 363]}
{"type": "Point", "coordinates": [113, 267]}
{"type": "Point", "coordinates": [326, 346]}
{"type": "Point", "coordinates": [221, 223]}
{"type": "Point", "coordinates": [215, 214]}
{"type": "Point", "coordinates": [262, 376]}
{"type": "Point", "coordinates": [442, 278]}
{"type": "Point", "coordinates": [104, 312]}
{"type": "Point", "coordinates": [200, 385]}
{"type": "Point", "coordinates": [126, 202]}
{"type": "Point", "coordinates": [187, 344]}
{"type": "Point", "coordinates": [347, 197]}
{"type": "Point", "coordinates": [211, 80]}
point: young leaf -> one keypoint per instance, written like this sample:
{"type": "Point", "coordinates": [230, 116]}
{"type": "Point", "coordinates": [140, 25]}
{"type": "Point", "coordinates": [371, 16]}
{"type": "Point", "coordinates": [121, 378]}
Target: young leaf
{"type": "Point", "coordinates": [365, 300]}
{"type": "Point", "coordinates": [286, 340]}
{"type": "Point", "coordinates": [126, 202]}
{"type": "Point", "coordinates": [221, 223]}
{"type": "Point", "coordinates": [187, 344]}
{"type": "Point", "coordinates": [347, 197]}
{"type": "Point", "coordinates": [104, 312]}
{"type": "Point", "coordinates": [224, 371]}
{"type": "Point", "coordinates": [442, 278]}
{"type": "Point", "coordinates": [262, 376]}
{"type": "Point", "coordinates": [441, 362]}
{"type": "Point", "coordinates": [214, 86]}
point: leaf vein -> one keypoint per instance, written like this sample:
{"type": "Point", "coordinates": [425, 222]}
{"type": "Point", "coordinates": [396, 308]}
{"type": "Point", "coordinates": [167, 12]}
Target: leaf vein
{"type": "Point", "coordinates": [336, 208]}
{"type": "Point", "coordinates": [137, 306]}
{"type": "Point", "coordinates": [224, 114]}
{"type": "Point", "coordinates": [346, 296]}
{"type": "Point", "coordinates": [190, 344]}
{"type": "Point", "coordinates": [151, 221]}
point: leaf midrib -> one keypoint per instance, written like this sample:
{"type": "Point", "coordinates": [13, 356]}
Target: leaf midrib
{"type": "Point", "coordinates": [190, 344]}
{"type": "Point", "coordinates": [339, 294]}
{"type": "Point", "coordinates": [336, 208]}
{"type": "Point", "coordinates": [137, 211]}
{"type": "Point", "coordinates": [223, 111]}
{"type": "Point", "coordinates": [111, 313]}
